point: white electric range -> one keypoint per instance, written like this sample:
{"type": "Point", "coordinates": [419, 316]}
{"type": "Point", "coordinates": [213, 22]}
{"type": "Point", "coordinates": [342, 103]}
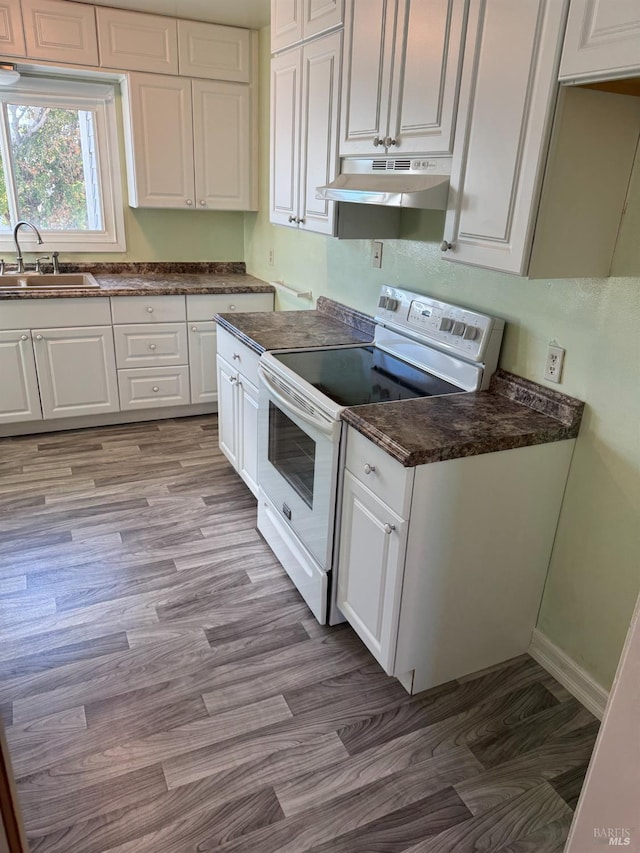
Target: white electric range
{"type": "Point", "coordinates": [422, 347]}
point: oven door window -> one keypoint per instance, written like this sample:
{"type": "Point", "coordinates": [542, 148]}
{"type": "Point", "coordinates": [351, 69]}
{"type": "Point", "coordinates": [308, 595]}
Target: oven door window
{"type": "Point", "coordinates": [293, 453]}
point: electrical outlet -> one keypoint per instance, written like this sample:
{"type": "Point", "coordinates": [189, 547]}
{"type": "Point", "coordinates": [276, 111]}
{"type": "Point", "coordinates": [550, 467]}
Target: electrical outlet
{"type": "Point", "coordinates": [270, 257]}
{"type": "Point", "coordinates": [376, 255]}
{"type": "Point", "coordinates": [554, 363]}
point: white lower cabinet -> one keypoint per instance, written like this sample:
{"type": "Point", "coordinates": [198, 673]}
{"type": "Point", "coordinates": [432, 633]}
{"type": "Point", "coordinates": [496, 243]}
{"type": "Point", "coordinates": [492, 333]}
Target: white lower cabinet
{"type": "Point", "coordinates": [20, 399]}
{"type": "Point", "coordinates": [441, 567]}
{"type": "Point", "coordinates": [237, 367]}
{"type": "Point", "coordinates": [202, 360]}
{"type": "Point", "coordinates": [76, 371]}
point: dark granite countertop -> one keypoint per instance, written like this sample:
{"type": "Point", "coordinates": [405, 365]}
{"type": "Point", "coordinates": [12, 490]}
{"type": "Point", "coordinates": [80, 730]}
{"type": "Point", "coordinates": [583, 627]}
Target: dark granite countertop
{"type": "Point", "coordinates": [513, 412]}
{"type": "Point", "coordinates": [162, 279]}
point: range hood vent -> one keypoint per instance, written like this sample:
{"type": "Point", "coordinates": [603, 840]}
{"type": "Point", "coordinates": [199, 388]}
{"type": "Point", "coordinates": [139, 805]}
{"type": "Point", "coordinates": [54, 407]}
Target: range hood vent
{"type": "Point", "coordinates": [392, 182]}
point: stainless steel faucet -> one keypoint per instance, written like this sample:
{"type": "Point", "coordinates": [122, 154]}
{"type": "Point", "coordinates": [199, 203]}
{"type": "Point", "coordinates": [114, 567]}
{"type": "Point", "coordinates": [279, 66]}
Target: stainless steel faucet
{"type": "Point", "coordinates": [19, 260]}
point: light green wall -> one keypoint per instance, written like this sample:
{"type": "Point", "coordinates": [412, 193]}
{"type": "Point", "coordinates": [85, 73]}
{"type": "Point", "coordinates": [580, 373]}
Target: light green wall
{"type": "Point", "coordinates": [594, 575]}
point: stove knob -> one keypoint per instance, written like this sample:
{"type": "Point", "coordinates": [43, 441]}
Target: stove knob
{"type": "Point", "coordinates": [470, 333]}
{"type": "Point", "coordinates": [392, 304]}
{"type": "Point", "coordinates": [458, 328]}
{"type": "Point", "coordinates": [445, 324]}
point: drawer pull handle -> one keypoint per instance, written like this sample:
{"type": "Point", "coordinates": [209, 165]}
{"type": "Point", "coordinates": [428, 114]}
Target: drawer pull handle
{"type": "Point", "coordinates": [155, 388]}
{"type": "Point", "coordinates": [389, 528]}
{"type": "Point", "coordinates": [369, 469]}
{"type": "Point", "coordinates": [24, 337]}
{"type": "Point", "coordinates": [38, 337]}
{"type": "Point", "coordinates": [236, 356]}
{"type": "Point", "coordinates": [150, 310]}
{"type": "Point", "coordinates": [152, 346]}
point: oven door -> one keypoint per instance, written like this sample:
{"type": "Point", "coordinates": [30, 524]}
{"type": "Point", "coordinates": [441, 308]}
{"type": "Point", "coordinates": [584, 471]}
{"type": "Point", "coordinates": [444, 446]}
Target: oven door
{"type": "Point", "coordinates": [297, 464]}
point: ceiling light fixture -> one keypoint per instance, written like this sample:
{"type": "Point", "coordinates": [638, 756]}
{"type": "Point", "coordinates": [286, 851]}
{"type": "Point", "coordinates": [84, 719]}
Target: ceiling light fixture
{"type": "Point", "coordinates": [9, 73]}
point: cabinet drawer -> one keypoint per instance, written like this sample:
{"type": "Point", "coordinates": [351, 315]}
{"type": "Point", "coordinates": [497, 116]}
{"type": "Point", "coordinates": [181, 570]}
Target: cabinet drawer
{"type": "Point", "coordinates": [148, 309]}
{"type": "Point", "coordinates": [238, 355]}
{"type": "Point", "coordinates": [386, 478]}
{"type": "Point", "coordinates": [204, 306]}
{"type": "Point", "coordinates": [149, 346]}
{"type": "Point", "coordinates": [65, 313]}
{"type": "Point", "coordinates": [137, 41]}
{"type": "Point", "coordinates": [153, 387]}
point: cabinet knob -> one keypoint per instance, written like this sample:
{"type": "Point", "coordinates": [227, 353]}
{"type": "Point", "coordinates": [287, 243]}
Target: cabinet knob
{"type": "Point", "coordinates": [232, 307]}
{"type": "Point", "coordinates": [444, 246]}
{"type": "Point", "coordinates": [194, 328]}
{"type": "Point", "coordinates": [149, 310]}
{"type": "Point", "coordinates": [369, 469]}
{"type": "Point", "coordinates": [203, 202]}
{"type": "Point", "coordinates": [301, 220]}
{"type": "Point", "coordinates": [292, 219]}
{"type": "Point", "coordinates": [155, 388]}
{"type": "Point", "coordinates": [389, 528]}
{"type": "Point", "coordinates": [24, 337]}
{"type": "Point", "coordinates": [189, 202]}
{"type": "Point", "coordinates": [236, 356]}
{"type": "Point", "coordinates": [377, 141]}
{"type": "Point", "coordinates": [389, 141]}
{"type": "Point", "coordinates": [152, 346]}
{"type": "Point", "coordinates": [38, 337]}
{"type": "Point", "coordinates": [233, 379]}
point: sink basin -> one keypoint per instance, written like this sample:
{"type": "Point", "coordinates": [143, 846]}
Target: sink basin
{"type": "Point", "coordinates": [40, 281]}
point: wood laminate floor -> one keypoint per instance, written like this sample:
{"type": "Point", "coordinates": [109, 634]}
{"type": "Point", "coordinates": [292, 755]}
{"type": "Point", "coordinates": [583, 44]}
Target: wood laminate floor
{"type": "Point", "coordinates": [164, 687]}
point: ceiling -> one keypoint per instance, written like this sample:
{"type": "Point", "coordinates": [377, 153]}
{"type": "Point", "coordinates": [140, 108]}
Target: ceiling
{"type": "Point", "coordinates": [237, 13]}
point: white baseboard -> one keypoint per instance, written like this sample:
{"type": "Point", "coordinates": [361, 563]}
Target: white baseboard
{"type": "Point", "coordinates": [565, 670]}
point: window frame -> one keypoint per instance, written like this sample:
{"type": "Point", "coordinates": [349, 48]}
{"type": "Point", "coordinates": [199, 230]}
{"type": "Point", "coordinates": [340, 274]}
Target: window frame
{"type": "Point", "coordinates": [99, 98]}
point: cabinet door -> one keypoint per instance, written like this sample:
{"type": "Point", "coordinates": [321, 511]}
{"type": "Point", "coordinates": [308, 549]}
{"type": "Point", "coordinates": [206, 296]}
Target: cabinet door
{"type": "Point", "coordinates": [215, 52]}
{"type": "Point", "coordinates": [503, 132]}
{"type": "Point", "coordinates": [285, 137]}
{"type": "Point", "coordinates": [371, 569]}
{"type": "Point", "coordinates": [368, 63]}
{"type": "Point", "coordinates": [61, 31]}
{"type": "Point", "coordinates": [19, 400]}
{"type": "Point", "coordinates": [202, 362]}
{"type": "Point", "coordinates": [286, 23]}
{"type": "Point", "coordinates": [222, 145]}
{"type": "Point", "coordinates": [11, 32]}
{"type": "Point", "coordinates": [137, 41]}
{"type": "Point", "coordinates": [76, 371]}
{"type": "Point", "coordinates": [602, 40]}
{"type": "Point", "coordinates": [248, 433]}
{"type": "Point", "coordinates": [160, 144]}
{"type": "Point", "coordinates": [321, 15]}
{"type": "Point", "coordinates": [227, 411]}
{"type": "Point", "coordinates": [319, 130]}
{"type": "Point", "coordinates": [424, 97]}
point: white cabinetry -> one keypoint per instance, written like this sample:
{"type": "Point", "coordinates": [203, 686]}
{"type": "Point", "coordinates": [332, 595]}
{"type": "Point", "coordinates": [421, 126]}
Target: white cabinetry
{"type": "Point", "coordinates": [304, 113]}
{"type": "Point", "coordinates": [76, 371]}
{"type": "Point", "coordinates": [137, 42]}
{"type": "Point", "coordinates": [190, 144]}
{"type": "Point", "coordinates": [437, 580]}
{"type": "Point", "coordinates": [401, 75]}
{"type": "Point", "coordinates": [212, 51]}
{"type": "Point", "coordinates": [293, 21]}
{"type": "Point", "coordinates": [11, 33]}
{"type": "Point", "coordinates": [60, 31]}
{"type": "Point", "coordinates": [19, 400]}
{"type": "Point", "coordinates": [238, 406]}
{"type": "Point", "coordinates": [602, 41]}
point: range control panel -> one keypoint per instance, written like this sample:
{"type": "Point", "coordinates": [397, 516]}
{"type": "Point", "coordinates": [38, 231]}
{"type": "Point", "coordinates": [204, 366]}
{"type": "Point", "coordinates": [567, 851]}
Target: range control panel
{"type": "Point", "coordinates": [449, 327]}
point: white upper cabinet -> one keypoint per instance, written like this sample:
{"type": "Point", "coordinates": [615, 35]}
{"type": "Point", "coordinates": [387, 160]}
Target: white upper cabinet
{"type": "Point", "coordinates": [401, 75]}
{"type": "Point", "coordinates": [137, 42]}
{"type": "Point", "coordinates": [304, 113]}
{"type": "Point", "coordinates": [189, 144]}
{"type": "Point", "coordinates": [215, 52]}
{"type": "Point", "coordinates": [507, 98]}
{"type": "Point", "coordinates": [602, 40]}
{"type": "Point", "coordinates": [292, 21]}
{"type": "Point", "coordinates": [11, 33]}
{"type": "Point", "coordinates": [60, 31]}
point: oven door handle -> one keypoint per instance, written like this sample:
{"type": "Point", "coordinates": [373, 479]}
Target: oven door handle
{"type": "Point", "coordinates": [325, 426]}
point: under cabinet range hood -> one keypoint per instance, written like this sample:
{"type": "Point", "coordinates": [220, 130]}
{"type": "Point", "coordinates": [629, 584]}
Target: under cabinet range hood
{"type": "Point", "coordinates": [392, 182]}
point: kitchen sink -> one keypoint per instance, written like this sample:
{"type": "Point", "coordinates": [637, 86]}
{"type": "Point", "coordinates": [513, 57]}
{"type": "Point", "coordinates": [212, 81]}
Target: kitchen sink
{"type": "Point", "coordinates": [40, 281]}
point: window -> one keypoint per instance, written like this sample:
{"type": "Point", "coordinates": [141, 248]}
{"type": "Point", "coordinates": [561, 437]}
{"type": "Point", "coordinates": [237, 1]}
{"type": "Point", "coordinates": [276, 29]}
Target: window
{"type": "Point", "coordinates": [59, 167]}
